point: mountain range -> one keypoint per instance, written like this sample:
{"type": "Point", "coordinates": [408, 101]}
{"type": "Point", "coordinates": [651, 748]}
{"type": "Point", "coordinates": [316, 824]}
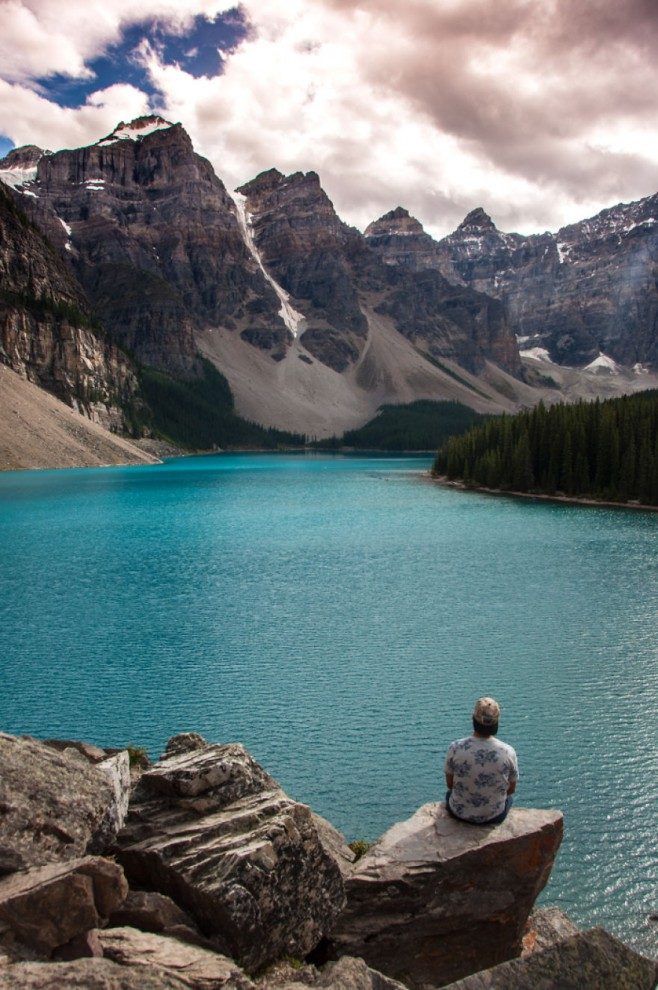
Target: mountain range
{"type": "Point", "coordinates": [131, 255]}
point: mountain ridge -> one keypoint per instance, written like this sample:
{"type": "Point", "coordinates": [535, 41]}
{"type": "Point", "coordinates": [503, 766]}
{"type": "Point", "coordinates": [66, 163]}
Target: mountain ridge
{"type": "Point", "coordinates": [314, 324]}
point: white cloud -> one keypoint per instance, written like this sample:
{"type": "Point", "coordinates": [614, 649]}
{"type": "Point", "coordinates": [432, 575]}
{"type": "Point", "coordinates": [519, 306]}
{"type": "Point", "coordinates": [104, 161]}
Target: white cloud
{"type": "Point", "coordinates": [43, 37]}
{"type": "Point", "coordinates": [29, 118]}
{"type": "Point", "coordinates": [437, 106]}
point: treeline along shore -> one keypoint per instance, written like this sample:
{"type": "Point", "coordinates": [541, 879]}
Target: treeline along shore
{"type": "Point", "coordinates": [602, 450]}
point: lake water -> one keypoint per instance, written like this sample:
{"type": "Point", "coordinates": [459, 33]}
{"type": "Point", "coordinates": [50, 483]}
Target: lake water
{"type": "Point", "coordinates": [339, 615]}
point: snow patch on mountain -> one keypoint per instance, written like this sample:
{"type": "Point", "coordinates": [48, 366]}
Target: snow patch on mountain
{"type": "Point", "coordinates": [135, 130]}
{"type": "Point", "coordinates": [603, 363]}
{"type": "Point", "coordinates": [562, 251]}
{"type": "Point", "coordinates": [538, 353]}
{"type": "Point", "coordinates": [17, 177]}
{"type": "Point", "coordinates": [292, 319]}
{"type": "Point", "coordinates": [67, 228]}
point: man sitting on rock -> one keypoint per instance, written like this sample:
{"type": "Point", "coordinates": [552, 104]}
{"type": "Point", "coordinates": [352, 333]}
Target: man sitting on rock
{"type": "Point", "coordinates": [481, 771]}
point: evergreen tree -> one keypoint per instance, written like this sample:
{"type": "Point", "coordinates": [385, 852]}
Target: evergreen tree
{"type": "Point", "coordinates": [522, 475]}
{"type": "Point", "coordinates": [599, 449]}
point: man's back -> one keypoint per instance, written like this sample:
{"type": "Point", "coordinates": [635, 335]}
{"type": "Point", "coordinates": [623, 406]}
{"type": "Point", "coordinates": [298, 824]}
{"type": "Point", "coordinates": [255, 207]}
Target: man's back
{"type": "Point", "coordinates": [482, 770]}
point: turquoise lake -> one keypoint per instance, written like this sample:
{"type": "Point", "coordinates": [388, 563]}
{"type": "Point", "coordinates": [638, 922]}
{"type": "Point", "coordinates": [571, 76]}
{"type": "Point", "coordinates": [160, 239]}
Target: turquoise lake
{"type": "Point", "coordinates": [339, 616]}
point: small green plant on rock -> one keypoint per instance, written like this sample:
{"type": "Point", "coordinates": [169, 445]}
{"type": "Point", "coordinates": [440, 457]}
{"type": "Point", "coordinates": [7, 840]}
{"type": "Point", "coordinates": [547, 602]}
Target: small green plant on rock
{"type": "Point", "coordinates": [137, 756]}
{"type": "Point", "coordinates": [360, 847]}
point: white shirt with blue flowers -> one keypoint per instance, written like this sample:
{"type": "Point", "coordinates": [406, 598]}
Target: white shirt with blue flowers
{"type": "Point", "coordinates": [482, 771]}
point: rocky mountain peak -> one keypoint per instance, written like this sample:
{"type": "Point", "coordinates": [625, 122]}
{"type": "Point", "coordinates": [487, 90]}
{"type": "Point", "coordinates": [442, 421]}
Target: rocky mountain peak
{"type": "Point", "coordinates": [264, 182]}
{"type": "Point", "coordinates": [478, 220]}
{"type": "Point", "coordinates": [299, 194]}
{"type": "Point", "coordinates": [397, 222]}
{"type": "Point", "coordinates": [26, 156]}
{"type": "Point", "coordinates": [273, 181]}
{"type": "Point", "coordinates": [136, 129]}
{"type": "Point", "coordinates": [19, 167]}
{"type": "Point", "coordinates": [308, 250]}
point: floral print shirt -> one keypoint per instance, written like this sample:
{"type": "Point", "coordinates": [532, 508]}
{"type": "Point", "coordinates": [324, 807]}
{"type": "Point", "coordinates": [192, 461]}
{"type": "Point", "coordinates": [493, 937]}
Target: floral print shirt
{"type": "Point", "coordinates": [482, 770]}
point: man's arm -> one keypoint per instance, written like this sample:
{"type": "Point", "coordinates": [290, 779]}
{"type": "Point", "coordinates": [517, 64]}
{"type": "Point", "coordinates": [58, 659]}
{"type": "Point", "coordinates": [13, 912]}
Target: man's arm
{"type": "Point", "coordinates": [449, 766]}
{"type": "Point", "coordinates": [514, 774]}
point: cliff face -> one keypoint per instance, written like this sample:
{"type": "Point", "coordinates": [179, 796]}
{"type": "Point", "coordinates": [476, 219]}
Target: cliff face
{"type": "Point", "coordinates": [335, 277]}
{"type": "Point", "coordinates": [432, 304]}
{"type": "Point", "coordinates": [155, 241]}
{"type": "Point", "coordinates": [309, 251]}
{"type": "Point", "coordinates": [588, 289]}
{"type": "Point", "coordinates": [401, 241]}
{"type": "Point", "coordinates": [46, 331]}
{"type": "Point", "coordinates": [314, 324]}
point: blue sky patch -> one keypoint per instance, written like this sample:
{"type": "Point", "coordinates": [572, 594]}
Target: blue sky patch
{"type": "Point", "coordinates": [196, 52]}
{"type": "Point", "coordinates": [5, 145]}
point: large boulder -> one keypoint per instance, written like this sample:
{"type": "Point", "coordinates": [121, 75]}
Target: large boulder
{"type": "Point", "coordinates": [210, 828]}
{"type": "Point", "coordinates": [48, 906]}
{"type": "Point", "coordinates": [195, 967]}
{"type": "Point", "coordinates": [57, 804]}
{"type": "Point", "coordinates": [436, 899]}
{"type": "Point", "coordinates": [592, 960]}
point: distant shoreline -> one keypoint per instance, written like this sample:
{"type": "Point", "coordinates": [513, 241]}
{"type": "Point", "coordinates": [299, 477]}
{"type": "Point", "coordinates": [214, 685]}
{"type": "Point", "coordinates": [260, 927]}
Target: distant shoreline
{"type": "Point", "coordinates": [167, 452]}
{"type": "Point", "coordinates": [540, 497]}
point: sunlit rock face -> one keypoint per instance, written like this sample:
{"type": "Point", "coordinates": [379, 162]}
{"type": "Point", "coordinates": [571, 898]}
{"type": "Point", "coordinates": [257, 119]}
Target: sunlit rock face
{"type": "Point", "coordinates": [211, 828]}
{"type": "Point", "coordinates": [435, 899]}
{"type": "Point", "coordinates": [154, 238]}
{"type": "Point", "coordinates": [47, 333]}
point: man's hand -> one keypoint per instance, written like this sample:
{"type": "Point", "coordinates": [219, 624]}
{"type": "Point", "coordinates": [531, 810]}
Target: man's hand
{"type": "Point", "coordinates": [512, 787]}
{"type": "Point", "coordinates": [449, 779]}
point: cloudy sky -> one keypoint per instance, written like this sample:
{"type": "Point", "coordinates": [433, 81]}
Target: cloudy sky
{"type": "Point", "coordinates": [542, 111]}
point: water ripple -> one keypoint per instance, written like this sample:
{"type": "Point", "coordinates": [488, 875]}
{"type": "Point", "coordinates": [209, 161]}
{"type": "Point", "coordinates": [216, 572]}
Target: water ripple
{"type": "Point", "coordinates": [340, 625]}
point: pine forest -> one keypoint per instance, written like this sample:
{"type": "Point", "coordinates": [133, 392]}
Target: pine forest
{"type": "Point", "coordinates": [604, 449]}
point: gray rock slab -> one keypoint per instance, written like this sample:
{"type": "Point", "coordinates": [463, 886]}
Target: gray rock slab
{"type": "Point", "coordinates": [182, 743]}
{"type": "Point", "coordinates": [116, 770]}
{"type": "Point", "coordinates": [591, 960]}
{"type": "Point", "coordinates": [85, 974]}
{"type": "Point", "coordinates": [222, 773]}
{"type": "Point", "coordinates": [48, 906]}
{"type": "Point", "coordinates": [436, 899]}
{"type": "Point", "coordinates": [196, 968]}
{"type": "Point", "coordinates": [56, 805]}
{"type": "Point", "coordinates": [211, 829]}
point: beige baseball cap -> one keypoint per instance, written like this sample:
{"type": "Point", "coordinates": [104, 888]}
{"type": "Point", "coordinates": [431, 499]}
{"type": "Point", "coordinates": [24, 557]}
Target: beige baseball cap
{"type": "Point", "coordinates": [486, 711]}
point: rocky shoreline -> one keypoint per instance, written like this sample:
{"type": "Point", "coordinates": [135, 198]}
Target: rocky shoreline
{"type": "Point", "coordinates": [540, 497]}
{"type": "Point", "coordinates": [199, 871]}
